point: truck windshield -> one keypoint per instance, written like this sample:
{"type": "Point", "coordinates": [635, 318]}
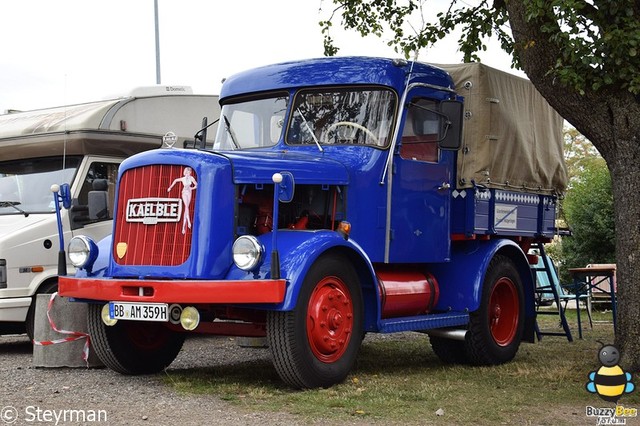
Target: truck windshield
{"type": "Point", "coordinates": [342, 116]}
{"type": "Point", "coordinates": [25, 185]}
{"type": "Point", "coordinates": [252, 123]}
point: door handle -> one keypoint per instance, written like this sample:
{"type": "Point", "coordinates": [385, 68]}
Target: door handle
{"type": "Point", "coordinates": [444, 186]}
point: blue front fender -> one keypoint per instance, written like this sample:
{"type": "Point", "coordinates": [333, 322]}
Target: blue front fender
{"type": "Point", "coordinates": [298, 250]}
{"type": "Point", "coordinates": [99, 267]}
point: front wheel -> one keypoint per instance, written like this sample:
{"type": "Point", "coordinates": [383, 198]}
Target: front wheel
{"type": "Point", "coordinates": [133, 347]}
{"type": "Point", "coordinates": [316, 344]}
{"type": "Point", "coordinates": [47, 288]}
{"type": "Point", "coordinates": [495, 329]}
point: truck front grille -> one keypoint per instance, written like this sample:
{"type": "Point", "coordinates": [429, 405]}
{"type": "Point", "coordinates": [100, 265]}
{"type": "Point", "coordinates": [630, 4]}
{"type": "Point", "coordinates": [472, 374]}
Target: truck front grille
{"type": "Point", "coordinates": [150, 220]}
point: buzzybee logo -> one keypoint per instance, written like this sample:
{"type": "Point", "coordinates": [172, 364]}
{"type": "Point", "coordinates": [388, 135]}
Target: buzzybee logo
{"type": "Point", "coordinates": [610, 381]}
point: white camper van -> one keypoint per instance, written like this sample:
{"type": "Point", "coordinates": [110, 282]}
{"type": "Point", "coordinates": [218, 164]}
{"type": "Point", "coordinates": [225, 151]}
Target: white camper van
{"type": "Point", "coordinates": [83, 145]}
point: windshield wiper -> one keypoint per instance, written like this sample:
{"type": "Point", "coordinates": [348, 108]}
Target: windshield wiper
{"type": "Point", "coordinates": [313, 135]}
{"type": "Point", "coordinates": [13, 204]}
{"type": "Point", "coordinates": [227, 127]}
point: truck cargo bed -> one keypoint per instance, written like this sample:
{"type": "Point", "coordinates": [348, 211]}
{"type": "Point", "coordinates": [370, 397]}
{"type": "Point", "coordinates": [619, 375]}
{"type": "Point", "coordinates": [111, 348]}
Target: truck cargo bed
{"type": "Point", "coordinates": [480, 211]}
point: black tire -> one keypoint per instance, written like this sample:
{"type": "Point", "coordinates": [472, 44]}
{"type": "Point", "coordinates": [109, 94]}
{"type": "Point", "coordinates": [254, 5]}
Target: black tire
{"type": "Point", "coordinates": [29, 325]}
{"type": "Point", "coordinates": [495, 329]}
{"type": "Point", "coordinates": [448, 350]}
{"type": "Point", "coordinates": [316, 344]}
{"type": "Point", "coordinates": [133, 347]}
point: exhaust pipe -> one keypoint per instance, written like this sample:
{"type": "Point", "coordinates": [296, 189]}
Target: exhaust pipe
{"type": "Point", "coordinates": [451, 333]}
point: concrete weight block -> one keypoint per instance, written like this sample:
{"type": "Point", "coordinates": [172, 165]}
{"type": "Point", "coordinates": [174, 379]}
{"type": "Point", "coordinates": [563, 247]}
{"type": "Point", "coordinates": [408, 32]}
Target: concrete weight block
{"type": "Point", "coordinates": [67, 316]}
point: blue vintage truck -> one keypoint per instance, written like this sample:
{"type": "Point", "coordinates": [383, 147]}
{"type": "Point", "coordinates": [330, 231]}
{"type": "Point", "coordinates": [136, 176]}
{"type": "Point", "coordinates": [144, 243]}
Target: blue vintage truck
{"type": "Point", "coordinates": [342, 196]}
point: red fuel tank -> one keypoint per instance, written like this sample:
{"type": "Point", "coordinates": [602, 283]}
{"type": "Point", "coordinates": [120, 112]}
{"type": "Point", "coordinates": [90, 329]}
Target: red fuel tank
{"type": "Point", "coordinates": [406, 293]}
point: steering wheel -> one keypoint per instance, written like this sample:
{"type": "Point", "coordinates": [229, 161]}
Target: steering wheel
{"type": "Point", "coordinates": [356, 126]}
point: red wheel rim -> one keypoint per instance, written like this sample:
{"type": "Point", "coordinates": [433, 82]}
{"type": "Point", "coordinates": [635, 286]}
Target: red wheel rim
{"type": "Point", "coordinates": [329, 319]}
{"type": "Point", "coordinates": [504, 311]}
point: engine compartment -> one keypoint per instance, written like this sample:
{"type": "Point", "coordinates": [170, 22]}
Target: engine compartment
{"type": "Point", "coordinates": [313, 207]}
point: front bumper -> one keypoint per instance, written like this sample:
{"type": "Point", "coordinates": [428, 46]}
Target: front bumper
{"type": "Point", "coordinates": [174, 291]}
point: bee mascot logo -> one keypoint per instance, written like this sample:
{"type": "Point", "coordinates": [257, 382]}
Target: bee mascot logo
{"type": "Point", "coordinates": [610, 381]}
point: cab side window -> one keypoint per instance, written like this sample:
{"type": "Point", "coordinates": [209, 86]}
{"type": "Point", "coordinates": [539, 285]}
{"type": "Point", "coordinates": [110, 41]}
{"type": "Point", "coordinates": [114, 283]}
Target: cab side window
{"type": "Point", "coordinates": [98, 191]}
{"type": "Point", "coordinates": [420, 133]}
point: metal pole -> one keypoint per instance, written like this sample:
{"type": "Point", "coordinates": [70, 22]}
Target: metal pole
{"type": "Point", "coordinates": [275, 256]}
{"type": "Point", "coordinates": [62, 257]}
{"type": "Point", "coordinates": [155, 6]}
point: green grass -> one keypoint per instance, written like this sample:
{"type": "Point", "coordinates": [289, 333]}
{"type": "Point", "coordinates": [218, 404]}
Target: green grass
{"type": "Point", "coordinates": [398, 379]}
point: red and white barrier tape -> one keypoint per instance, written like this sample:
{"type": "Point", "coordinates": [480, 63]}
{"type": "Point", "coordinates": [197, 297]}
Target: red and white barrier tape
{"type": "Point", "coordinates": [74, 335]}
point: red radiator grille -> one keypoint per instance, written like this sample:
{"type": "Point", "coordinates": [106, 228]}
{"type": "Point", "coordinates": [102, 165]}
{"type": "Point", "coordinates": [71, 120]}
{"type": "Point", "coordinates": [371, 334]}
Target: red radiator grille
{"type": "Point", "coordinates": [150, 219]}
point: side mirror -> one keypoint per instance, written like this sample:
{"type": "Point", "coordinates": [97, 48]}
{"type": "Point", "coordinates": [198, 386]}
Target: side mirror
{"type": "Point", "coordinates": [452, 128]}
{"type": "Point", "coordinates": [201, 136]}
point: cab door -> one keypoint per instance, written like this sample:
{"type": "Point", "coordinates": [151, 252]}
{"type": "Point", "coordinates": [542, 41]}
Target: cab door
{"type": "Point", "coordinates": [421, 182]}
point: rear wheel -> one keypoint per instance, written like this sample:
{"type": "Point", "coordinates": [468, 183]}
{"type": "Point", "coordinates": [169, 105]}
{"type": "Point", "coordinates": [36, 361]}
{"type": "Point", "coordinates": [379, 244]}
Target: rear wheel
{"type": "Point", "coordinates": [133, 347]}
{"type": "Point", "coordinates": [495, 329]}
{"type": "Point", "coordinates": [316, 344]}
{"type": "Point", "coordinates": [449, 351]}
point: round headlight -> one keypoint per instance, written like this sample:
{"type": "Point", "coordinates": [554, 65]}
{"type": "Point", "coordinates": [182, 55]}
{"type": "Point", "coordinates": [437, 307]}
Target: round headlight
{"type": "Point", "coordinates": [247, 252]}
{"type": "Point", "coordinates": [82, 251]}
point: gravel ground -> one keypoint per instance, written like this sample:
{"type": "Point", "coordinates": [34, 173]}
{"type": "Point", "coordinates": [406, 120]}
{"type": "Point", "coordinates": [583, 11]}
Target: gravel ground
{"type": "Point", "coordinates": [127, 400]}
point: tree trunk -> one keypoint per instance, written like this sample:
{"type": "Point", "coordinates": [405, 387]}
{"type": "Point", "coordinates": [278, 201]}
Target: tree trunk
{"type": "Point", "coordinates": [625, 179]}
{"type": "Point", "coordinates": [609, 119]}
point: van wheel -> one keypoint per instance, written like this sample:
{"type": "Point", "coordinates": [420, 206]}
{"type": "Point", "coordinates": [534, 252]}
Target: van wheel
{"type": "Point", "coordinates": [47, 288]}
{"type": "Point", "coordinates": [133, 347]}
{"type": "Point", "coordinates": [316, 344]}
{"type": "Point", "coordinates": [495, 329]}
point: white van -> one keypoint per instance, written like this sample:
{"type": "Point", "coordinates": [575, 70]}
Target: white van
{"type": "Point", "coordinates": [83, 145]}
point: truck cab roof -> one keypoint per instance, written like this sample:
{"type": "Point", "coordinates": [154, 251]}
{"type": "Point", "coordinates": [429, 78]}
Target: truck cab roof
{"type": "Point", "coordinates": [348, 70]}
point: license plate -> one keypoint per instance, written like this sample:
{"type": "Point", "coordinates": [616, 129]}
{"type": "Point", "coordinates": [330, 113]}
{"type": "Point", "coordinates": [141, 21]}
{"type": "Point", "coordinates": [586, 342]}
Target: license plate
{"type": "Point", "coordinates": [139, 311]}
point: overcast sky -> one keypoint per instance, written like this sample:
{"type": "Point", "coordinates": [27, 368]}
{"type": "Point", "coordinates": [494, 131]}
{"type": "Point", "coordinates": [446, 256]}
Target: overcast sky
{"type": "Point", "coordinates": [61, 52]}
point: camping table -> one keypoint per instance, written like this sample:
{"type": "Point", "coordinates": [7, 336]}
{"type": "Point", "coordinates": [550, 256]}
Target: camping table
{"type": "Point", "coordinates": [594, 277]}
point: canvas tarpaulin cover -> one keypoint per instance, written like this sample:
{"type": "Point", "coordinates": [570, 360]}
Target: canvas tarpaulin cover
{"type": "Point", "coordinates": [512, 137]}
